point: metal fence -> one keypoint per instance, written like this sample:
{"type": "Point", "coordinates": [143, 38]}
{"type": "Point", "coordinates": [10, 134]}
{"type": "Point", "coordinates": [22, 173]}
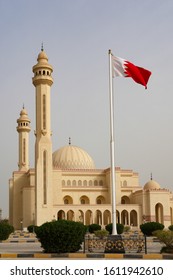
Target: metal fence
{"type": "Point", "coordinates": [131, 244]}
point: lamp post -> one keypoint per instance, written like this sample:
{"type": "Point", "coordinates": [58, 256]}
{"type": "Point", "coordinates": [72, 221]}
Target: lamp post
{"type": "Point", "coordinates": [21, 225]}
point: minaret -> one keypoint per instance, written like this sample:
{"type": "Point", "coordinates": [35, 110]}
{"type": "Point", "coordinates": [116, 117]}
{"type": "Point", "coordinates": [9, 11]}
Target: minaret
{"type": "Point", "coordinates": [23, 129]}
{"type": "Point", "coordinates": [42, 81]}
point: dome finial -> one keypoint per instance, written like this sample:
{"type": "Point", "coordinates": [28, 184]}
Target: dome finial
{"type": "Point", "coordinates": [69, 141]}
{"type": "Point", "coordinates": [42, 49]}
{"type": "Point", "coordinates": [151, 176]}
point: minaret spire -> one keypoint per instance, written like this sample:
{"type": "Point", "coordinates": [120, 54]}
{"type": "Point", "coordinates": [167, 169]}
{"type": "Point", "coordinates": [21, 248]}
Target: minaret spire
{"type": "Point", "coordinates": [42, 49]}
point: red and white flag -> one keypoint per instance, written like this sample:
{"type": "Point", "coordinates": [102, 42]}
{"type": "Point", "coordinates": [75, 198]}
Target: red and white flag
{"type": "Point", "coordinates": [124, 68]}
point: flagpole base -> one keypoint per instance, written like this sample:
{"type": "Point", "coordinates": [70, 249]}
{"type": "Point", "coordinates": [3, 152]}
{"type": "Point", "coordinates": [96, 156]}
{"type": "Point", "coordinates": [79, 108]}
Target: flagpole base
{"type": "Point", "coordinates": [114, 244]}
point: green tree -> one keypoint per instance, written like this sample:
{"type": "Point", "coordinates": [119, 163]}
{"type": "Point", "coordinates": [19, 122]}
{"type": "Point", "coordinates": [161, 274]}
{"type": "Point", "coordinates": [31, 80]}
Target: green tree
{"type": "Point", "coordinates": [61, 236]}
{"type": "Point", "coordinates": [150, 227]}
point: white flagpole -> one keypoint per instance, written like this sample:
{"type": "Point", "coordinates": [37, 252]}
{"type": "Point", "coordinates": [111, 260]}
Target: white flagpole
{"type": "Point", "coordinates": [112, 146]}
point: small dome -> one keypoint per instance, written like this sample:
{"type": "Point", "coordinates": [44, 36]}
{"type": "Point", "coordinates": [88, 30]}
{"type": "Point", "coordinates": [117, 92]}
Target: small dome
{"type": "Point", "coordinates": [151, 185]}
{"type": "Point", "coordinates": [72, 157]}
{"type": "Point", "coordinates": [42, 55]}
{"type": "Point", "coordinates": [23, 115]}
{"type": "Point", "coordinates": [23, 112]}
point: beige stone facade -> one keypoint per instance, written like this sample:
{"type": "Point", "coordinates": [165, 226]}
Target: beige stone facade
{"type": "Point", "coordinates": [67, 185]}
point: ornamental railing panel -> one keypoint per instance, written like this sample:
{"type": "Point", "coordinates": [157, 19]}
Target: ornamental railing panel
{"type": "Point", "coordinates": [132, 244]}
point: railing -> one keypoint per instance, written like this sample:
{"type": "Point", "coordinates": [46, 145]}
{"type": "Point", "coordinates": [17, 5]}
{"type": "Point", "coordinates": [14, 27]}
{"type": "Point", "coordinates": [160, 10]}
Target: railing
{"type": "Point", "coordinates": [131, 244]}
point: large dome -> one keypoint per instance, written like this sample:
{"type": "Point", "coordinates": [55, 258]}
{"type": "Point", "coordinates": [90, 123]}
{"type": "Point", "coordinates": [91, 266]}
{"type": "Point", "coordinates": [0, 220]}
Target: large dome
{"type": "Point", "coordinates": [151, 185]}
{"type": "Point", "coordinates": [72, 157]}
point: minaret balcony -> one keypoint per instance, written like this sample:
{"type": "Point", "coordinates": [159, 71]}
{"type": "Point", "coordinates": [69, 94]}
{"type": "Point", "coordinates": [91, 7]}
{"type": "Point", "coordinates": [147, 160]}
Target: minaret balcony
{"type": "Point", "coordinates": [41, 79]}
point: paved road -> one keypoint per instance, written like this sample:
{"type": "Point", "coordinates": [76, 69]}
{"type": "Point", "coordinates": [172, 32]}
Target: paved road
{"type": "Point", "coordinates": [35, 247]}
{"type": "Point", "coordinates": [20, 248]}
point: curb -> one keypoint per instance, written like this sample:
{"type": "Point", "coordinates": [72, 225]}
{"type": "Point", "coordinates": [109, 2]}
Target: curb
{"type": "Point", "coordinates": [87, 256]}
{"type": "Point", "coordinates": [19, 241]}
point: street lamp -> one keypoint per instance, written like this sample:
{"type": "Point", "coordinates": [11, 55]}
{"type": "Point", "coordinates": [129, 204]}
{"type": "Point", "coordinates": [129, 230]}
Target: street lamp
{"type": "Point", "coordinates": [21, 225]}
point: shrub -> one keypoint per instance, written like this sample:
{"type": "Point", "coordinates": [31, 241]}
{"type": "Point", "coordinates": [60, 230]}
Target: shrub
{"type": "Point", "coordinates": [126, 228]}
{"type": "Point", "coordinates": [166, 237]}
{"type": "Point", "coordinates": [150, 227]}
{"type": "Point", "coordinates": [32, 228]}
{"type": "Point", "coordinates": [120, 228]}
{"type": "Point", "coordinates": [171, 227]}
{"type": "Point", "coordinates": [101, 233]}
{"type": "Point", "coordinates": [61, 236]}
{"type": "Point", "coordinates": [93, 227]}
{"type": "Point", "coordinates": [5, 230]}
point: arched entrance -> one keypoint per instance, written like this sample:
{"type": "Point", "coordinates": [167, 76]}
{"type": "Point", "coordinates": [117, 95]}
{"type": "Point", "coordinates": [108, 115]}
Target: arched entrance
{"type": "Point", "coordinates": [133, 218]}
{"type": "Point", "coordinates": [159, 213]}
{"type": "Point", "coordinates": [70, 215]}
{"type": "Point", "coordinates": [88, 217]}
{"type": "Point", "coordinates": [99, 217]}
{"type": "Point", "coordinates": [124, 217]}
{"type": "Point", "coordinates": [106, 217]}
{"type": "Point", "coordinates": [60, 215]}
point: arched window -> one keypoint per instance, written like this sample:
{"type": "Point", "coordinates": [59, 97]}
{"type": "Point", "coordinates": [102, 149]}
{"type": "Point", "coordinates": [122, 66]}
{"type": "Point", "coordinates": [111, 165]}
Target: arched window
{"type": "Point", "coordinates": [74, 183]}
{"type": "Point", "coordinates": [79, 183]}
{"type": "Point", "coordinates": [68, 200]}
{"type": "Point", "coordinates": [101, 183]}
{"type": "Point", "coordinates": [125, 200]}
{"type": "Point", "coordinates": [24, 150]}
{"type": "Point", "coordinates": [95, 183]}
{"type": "Point", "coordinates": [44, 177]}
{"type": "Point", "coordinates": [90, 183]}
{"type": "Point", "coordinates": [124, 183]}
{"type": "Point", "coordinates": [84, 199]}
{"type": "Point", "coordinates": [68, 183]}
{"type": "Point", "coordinates": [85, 183]}
{"type": "Point", "coordinates": [44, 111]}
{"type": "Point", "coordinates": [100, 200]}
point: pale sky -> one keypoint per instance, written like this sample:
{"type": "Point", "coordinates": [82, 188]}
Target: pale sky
{"type": "Point", "coordinates": [77, 35]}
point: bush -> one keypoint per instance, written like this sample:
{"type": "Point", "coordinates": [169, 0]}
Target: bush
{"type": "Point", "coordinates": [120, 228]}
{"type": "Point", "coordinates": [166, 237]}
{"type": "Point", "coordinates": [126, 228]}
{"type": "Point", "coordinates": [150, 227]}
{"type": "Point", "coordinates": [101, 233]}
{"type": "Point", "coordinates": [93, 227]}
{"type": "Point", "coordinates": [61, 236]}
{"type": "Point", "coordinates": [32, 228]}
{"type": "Point", "coordinates": [171, 227]}
{"type": "Point", "coordinates": [5, 230]}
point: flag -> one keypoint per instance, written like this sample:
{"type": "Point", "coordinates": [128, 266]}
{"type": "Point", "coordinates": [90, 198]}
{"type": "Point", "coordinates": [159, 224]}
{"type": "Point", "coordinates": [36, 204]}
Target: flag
{"type": "Point", "coordinates": [124, 68]}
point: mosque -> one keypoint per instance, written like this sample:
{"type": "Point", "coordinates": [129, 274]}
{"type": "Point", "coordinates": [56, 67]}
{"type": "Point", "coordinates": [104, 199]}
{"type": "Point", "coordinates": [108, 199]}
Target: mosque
{"type": "Point", "coordinates": [65, 184]}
